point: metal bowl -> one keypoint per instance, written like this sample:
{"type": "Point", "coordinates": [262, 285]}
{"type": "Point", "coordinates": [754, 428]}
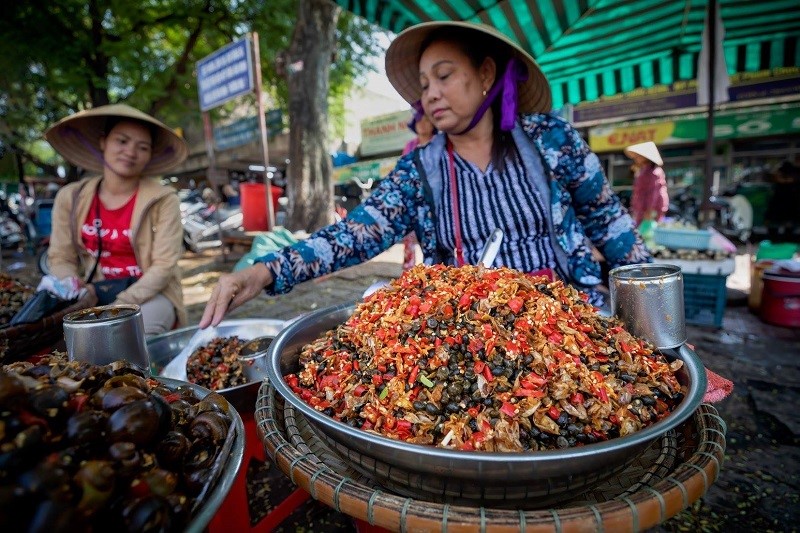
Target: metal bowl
{"type": "Point", "coordinates": [226, 466]}
{"type": "Point", "coordinates": [164, 348]}
{"type": "Point", "coordinates": [492, 478]}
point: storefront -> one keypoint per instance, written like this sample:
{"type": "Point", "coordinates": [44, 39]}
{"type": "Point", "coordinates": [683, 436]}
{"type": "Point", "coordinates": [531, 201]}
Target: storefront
{"type": "Point", "coordinates": [748, 140]}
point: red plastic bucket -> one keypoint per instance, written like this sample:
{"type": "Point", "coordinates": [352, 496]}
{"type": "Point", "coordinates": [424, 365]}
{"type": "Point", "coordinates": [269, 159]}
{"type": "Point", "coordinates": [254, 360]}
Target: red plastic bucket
{"type": "Point", "coordinates": [254, 205]}
{"type": "Point", "coordinates": [780, 300]}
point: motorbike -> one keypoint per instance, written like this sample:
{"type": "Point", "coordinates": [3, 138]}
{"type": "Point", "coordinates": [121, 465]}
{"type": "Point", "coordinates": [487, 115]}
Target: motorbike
{"type": "Point", "coordinates": [203, 223]}
{"type": "Point", "coordinates": [683, 206]}
{"type": "Point", "coordinates": [11, 234]}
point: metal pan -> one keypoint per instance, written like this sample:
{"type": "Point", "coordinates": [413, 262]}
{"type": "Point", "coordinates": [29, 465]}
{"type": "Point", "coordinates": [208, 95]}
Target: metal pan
{"type": "Point", "coordinates": [164, 348]}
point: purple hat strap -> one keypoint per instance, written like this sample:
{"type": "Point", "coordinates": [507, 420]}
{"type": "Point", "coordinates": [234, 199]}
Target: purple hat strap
{"type": "Point", "coordinates": [418, 114]}
{"type": "Point", "coordinates": [514, 73]}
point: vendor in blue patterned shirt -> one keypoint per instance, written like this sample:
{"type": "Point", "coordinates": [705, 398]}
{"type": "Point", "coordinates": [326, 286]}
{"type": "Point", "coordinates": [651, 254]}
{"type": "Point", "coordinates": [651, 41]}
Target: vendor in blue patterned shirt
{"type": "Point", "coordinates": [499, 161]}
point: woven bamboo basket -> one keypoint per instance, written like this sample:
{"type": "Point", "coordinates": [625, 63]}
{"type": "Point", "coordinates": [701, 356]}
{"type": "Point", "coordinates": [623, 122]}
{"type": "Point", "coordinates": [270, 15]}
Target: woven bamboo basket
{"type": "Point", "coordinates": [676, 470]}
{"type": "Point", "coordinates": [23, 340]}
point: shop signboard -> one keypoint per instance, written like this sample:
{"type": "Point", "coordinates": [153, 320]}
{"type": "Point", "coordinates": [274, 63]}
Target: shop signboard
{"type": "Point", "coordinates": [730, 124]}
{"type": "Point", "coordinates": [772, 83]}
{"type": "Point", "coordinates": [385, 133]}
{"type": "Point", "coordinates": [225, 74]}
{"type": "Point", "coordinates": [364, 170]}
{"type": "Point", "coordinates": [245, 131]}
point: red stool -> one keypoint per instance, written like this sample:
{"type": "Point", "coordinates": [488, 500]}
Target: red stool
{"type": "Point", "coordinates": [234, 513]}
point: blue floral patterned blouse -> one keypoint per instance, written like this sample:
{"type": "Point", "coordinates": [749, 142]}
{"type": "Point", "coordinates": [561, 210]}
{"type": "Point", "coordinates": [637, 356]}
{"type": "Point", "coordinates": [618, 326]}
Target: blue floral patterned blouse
{"type": "Point", "coordinates": [583, 208]}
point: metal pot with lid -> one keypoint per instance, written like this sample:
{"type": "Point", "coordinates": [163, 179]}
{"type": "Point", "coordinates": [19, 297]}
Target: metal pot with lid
{"type": "Point", "coordinates": [104, 334]}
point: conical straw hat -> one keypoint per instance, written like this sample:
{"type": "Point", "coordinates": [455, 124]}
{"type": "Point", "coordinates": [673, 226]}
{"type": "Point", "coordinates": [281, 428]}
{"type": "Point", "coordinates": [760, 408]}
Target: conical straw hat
{"type": "Point", "coordinates": [402, 65]}
{"type": "Point", "coordinates": [648, 150]}
{"type": "Point", "coordinates": [77, 139]}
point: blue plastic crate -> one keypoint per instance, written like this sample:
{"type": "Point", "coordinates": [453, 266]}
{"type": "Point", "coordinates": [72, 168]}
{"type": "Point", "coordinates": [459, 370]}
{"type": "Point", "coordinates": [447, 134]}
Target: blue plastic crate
{"type": "Point", "coordinates": [704, 298]}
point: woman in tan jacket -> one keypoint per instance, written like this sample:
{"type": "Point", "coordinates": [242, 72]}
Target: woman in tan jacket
{"type": "Point", "coordinates": [133, 223]}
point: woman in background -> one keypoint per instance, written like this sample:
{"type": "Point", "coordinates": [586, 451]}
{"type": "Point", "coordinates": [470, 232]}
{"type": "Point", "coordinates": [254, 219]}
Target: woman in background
{"type": "Point", "coordinates": [120, 225]}
{"type": "Point", "coordinates": [649, 200]}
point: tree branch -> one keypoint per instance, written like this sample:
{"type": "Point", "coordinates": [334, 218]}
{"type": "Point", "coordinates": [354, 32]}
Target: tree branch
{"type": "Point", "coordinates": [179, 69]}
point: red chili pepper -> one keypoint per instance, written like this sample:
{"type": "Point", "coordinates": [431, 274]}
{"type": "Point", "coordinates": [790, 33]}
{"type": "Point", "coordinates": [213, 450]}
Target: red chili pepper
{"type": "Point", "coordinates": [613, 419]}
{"type": "Point", "coordinates": [487, 373]}
{"type": "Point", "coordinates": [490, 346]}
{"type": "Point", "coordinates": [556, 338]}
{"type": "Point", "coordinates": [464, 300]}
{"type": "Point", "coordinates": [515, 304]}
{"type": "Point", "coordinates": [359, 390]}
{"type": "Point", "coordinates": [576, 399]}
{"type": "Point", "coordinates": [403, 425]}
{"type": "Point", "coordinates": [474, 345]}
{"type": "Point", "coordinates": [78, 402]}
{"type": "Point", "coordinates": [472, 412]}
{"type": "Point", "coordinates": [554, 412]}
{"type": "Point", "coordinates": [355, 364]}
{"type": "Point", "coordinates": [377, 379]}
{"type": "Point", "coordinates": [29, 419]}
{"type": "Point", "coordinates": [529, 393]}
{"type": "Point", "coordinates": [602, 394]}
{"type": "Point", "coordinates": [139, 488]}
{"type": "Point", "coordinates": [509, 409]}
{"type": "Point", "coordinates": [478, 366]}
{"type": "Point", "coordinates": [426, 306]}
{"type": "Point", "coordinates": [535, 379]}
{"type": "Point", "coordinates": [412, 377]}
{"type": "Point", "coordinates": [447, 311]}
{"type": "Point", "coordinates": [478, 437]}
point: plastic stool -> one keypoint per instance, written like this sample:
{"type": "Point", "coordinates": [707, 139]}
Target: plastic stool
{"type": "Point", "coordinates": [234, 513]}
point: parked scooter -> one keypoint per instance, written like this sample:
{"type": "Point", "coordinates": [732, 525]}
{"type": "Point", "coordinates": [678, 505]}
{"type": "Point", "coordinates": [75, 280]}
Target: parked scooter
{"type": "Point", "coordinates": [202, 223]}
{"type": "Point", "coordinates": [11, 234]}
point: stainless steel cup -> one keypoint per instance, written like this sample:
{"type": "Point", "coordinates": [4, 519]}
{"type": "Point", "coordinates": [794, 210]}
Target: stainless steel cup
{"type": "Point", "coordinates": [649, 300]}
{"type": "Point", "coordinates": [102, 335]}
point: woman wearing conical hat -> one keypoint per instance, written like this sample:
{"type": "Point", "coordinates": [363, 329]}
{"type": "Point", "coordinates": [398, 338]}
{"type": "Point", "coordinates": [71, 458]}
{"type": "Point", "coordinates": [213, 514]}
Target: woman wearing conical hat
{"type": "Point", "coordinates": [650, 199]}
{"type": "Point", "coordinates": [131, 222]}
{"type": "Point", "coordinates": [500, 161]}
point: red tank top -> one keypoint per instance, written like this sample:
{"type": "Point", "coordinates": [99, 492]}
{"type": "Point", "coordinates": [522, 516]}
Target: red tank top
{"type": "Point", "coordinates": [118, 259]}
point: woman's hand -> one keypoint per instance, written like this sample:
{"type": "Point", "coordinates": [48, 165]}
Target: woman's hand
{"type": "Point", "coordinates": [233, 290]}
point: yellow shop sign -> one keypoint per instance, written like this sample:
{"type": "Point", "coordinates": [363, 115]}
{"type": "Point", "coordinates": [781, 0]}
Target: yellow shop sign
{"type": "Point", "coordinates": [615, 138]}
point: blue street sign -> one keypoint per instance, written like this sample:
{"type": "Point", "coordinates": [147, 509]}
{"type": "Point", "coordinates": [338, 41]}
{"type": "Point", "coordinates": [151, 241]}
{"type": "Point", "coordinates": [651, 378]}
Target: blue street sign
{"type": "Point", "coordinates": [225, 74]}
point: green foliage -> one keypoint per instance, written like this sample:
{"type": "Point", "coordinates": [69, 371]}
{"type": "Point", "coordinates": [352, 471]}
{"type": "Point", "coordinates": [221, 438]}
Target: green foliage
{"type": "Point", "coordinates": [60, 56]}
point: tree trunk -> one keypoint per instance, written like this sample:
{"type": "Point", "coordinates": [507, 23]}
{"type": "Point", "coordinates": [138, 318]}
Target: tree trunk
{"type": "Point", "coordinates": [310, 189]}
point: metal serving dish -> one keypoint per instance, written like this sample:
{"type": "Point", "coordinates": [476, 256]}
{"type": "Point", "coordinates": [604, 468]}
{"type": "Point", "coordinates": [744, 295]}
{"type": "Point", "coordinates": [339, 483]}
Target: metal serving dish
{"type": "Point", "coordinates": [163, 348]}
{"type": "Point", "coordinates": [427, 472]}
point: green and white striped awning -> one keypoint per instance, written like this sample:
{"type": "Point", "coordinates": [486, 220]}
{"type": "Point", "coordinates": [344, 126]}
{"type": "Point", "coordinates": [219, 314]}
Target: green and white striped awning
{"type": "Point", "coordinates": [594, 48]}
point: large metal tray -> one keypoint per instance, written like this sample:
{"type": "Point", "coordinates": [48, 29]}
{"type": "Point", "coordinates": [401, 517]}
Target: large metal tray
{"type": "Point", "coordinates": [458, 476]}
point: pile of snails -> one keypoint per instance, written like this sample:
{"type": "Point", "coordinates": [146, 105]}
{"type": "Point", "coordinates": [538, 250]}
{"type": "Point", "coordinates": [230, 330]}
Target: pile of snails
{"type": "Point", "coordinates": [86, 447]}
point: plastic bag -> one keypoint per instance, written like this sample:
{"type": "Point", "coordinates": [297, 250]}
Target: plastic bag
{"type": "Point", "coordinates": [42, 304]}
{"type": "Point", "coordinates": [264, 243]}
